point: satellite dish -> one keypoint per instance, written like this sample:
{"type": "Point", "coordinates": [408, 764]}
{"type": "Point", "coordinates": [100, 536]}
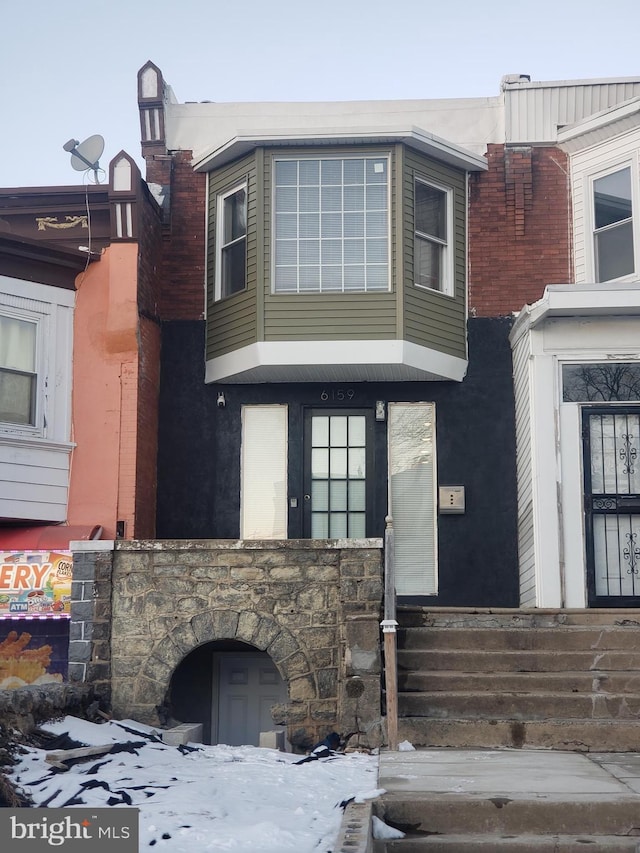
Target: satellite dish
{"type": "Point", "coordinates": [85, 155]}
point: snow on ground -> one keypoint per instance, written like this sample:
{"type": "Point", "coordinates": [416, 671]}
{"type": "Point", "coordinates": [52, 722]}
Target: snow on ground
{"type": "Point", "coordinates": [203, 798]}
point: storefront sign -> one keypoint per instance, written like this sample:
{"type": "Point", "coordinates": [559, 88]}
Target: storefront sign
{"type": "Point", "coordinates": [35, 583]}
{"type": "Point", "coordinates": [33, 651]}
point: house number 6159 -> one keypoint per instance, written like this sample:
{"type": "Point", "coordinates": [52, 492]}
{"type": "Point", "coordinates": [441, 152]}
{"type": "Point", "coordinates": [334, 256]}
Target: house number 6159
{"type": "Point", "coordinates": [337, 394]}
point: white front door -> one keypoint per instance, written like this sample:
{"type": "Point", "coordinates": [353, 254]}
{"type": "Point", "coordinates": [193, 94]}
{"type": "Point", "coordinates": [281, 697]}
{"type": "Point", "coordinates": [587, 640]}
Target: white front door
{"type": "Point", "coordinates": [247, 685]}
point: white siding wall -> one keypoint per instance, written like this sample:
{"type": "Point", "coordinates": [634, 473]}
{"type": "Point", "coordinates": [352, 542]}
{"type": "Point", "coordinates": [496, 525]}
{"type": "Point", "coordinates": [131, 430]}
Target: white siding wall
{"type": "Point", "coordinates": [622, 150]}
{"type": "Point", "coordinates": [533, 113]}
{"type": "Point", "coordinates": [34, 461]}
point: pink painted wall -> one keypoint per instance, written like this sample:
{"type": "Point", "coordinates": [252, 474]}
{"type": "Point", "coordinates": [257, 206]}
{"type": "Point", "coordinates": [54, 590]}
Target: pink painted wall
{"type": "Point", "coordinates": [105, 396]}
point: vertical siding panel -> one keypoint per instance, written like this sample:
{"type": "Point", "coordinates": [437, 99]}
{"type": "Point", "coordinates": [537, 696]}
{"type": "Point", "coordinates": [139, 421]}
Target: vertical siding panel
{"type": "Point", "coordinates": [526, 552]}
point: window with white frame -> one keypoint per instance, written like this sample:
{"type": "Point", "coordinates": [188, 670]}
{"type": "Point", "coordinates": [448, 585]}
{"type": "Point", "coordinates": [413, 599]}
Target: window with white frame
{"type": "Point", "coordinates": [432, 229]}
{"type": "Point", "coordinates": [613, 226]}
{"type": "Point", "coordinates": [331, 225]}
{"type": "Point", "coordinates": [231, 242]}
{"type": "Point", "coordinates": [18, 372]}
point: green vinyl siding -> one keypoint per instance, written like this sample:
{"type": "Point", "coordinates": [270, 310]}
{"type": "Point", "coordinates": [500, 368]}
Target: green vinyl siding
{"type": "Point", "coordinates": [232, 322]}
{"type": "Point", "coordinates": [326, 316]}
{"type": "Point", "coordinates": [433, 319]}
{"type": "Point", "coordinates": [427, 318]}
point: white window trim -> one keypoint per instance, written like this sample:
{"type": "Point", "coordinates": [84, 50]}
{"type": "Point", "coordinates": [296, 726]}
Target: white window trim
{"type": "Point", "coordinates": [590, 250]}
{"type": "Point", "coordinates": [448, 282]}
{"type": "Point", "coordinates": [220, 244]}
{"type": "Point", "coordinates": [39, 320]}
{"type": "Point", "coordinates": [386, 156]}
{"type": "Point", "coordinates": [51, 308]}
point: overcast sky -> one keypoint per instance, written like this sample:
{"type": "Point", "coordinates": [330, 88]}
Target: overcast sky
{"type": "Point", "coordinates": [68, 67]}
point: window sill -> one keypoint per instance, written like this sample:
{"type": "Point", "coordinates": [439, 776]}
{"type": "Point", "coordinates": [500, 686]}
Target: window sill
{"type": "Point", "coordinates": [21, 439]}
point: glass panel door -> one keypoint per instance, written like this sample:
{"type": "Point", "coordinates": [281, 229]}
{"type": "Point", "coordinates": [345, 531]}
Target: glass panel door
{"type": "Point", "coordinates": [337, 468]}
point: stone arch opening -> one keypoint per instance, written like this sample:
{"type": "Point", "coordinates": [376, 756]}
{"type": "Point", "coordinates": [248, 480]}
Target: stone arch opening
{"type": "Point", "coordinates": [229, 686]}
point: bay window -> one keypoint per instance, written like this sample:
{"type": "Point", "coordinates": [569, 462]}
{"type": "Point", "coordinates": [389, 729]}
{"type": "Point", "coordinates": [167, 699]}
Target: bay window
{"type": "Point", "coordinates": [331, 225]}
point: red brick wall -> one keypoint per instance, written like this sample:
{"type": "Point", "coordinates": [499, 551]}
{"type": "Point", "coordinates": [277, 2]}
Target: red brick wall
{"type": "Point", "coordinates": [182, 296]}
{"type": "Point", "coordinates": [519, 228]}
{"type": "Point", "coordinates": [150, 250]}
{"type": "Point", "coordinates": [147, 429]}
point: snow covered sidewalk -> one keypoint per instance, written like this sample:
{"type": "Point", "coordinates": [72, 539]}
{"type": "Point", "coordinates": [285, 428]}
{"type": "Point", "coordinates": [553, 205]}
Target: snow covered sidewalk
{"type": "Point", "coordinates": [207, 798]}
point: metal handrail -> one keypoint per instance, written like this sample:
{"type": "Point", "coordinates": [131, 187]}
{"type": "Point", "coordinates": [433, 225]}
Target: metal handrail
{"type": "Point", "coordinates": [389, 625]}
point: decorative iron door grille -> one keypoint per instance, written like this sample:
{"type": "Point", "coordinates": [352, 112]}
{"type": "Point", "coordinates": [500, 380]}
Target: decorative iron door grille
{"type": "Point", "coordinates": [611, 439]}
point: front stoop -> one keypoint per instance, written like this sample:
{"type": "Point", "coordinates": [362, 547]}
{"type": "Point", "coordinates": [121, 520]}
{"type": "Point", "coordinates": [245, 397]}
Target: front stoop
{"type": "Point", "coordinates": [551, 679]}
{"type": "Point", "coordinates": [456, 801]}
{"type": "Point", "coordinates": [443, 822]}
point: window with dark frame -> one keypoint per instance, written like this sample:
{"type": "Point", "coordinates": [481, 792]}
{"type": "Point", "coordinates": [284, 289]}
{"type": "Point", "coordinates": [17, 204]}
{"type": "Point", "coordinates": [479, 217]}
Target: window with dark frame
{"type": "Point", "coordinates": [430, 236]}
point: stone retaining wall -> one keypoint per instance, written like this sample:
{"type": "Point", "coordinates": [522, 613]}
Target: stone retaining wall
{"type": "Point", "coordinates": [314, 607]}
{"type": "Point", "coordinates": [25, 707]}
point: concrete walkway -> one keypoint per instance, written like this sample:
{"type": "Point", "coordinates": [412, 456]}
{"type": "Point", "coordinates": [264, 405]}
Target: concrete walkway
{"type": "Point", "coordinates": [511, 799]}
{"type": "Point", "coordinates": [510, 772]}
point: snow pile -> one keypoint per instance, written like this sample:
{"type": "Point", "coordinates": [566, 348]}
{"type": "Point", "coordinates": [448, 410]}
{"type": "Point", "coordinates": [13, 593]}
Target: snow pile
{"type": "Point", "coordinates": [203, 798]}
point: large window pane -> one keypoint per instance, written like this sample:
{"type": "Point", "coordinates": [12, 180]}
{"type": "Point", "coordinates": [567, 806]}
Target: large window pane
{"type": "Point", "coordinates": [612, 198]}
{"type": "Point", "coordinates": [335, 200]}
{"type": "Point", "coordinates": [430, 211]}
{"type": "Point", "coordinates": [614, 252]}
{"type": "Point", "coordinates": [17, 370]}
{"type": "Point", "coordinates": [601, 382]}
{"type": "Point", "coordinates": [613, 235]}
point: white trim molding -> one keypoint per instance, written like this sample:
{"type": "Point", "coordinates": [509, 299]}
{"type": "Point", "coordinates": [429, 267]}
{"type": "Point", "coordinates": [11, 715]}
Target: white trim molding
{"type": "Point", "coordinates": [334, 361]}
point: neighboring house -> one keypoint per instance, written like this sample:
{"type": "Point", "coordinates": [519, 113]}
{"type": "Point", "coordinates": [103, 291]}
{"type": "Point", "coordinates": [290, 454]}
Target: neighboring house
{"type": "Point", "coordinates": [78, 318]}
{"type": "Point", "coordinates": [577, 377]}
{"type": "Point", "coordinates": [79, 368]}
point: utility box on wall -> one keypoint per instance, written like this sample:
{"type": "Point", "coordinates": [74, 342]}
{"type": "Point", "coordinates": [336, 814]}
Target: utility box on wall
{"type": "Point", "coordinates": [451, 499]}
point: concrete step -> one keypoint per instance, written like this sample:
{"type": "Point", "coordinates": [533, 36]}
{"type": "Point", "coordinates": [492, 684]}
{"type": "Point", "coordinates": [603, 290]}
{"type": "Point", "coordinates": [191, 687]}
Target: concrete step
{"type": "Point", "coordinates": [520, 706]}
{"type": "Point", "coordinates": [479, 660]}
{"type": "Point", "coordinates": [565, 638]}
{"type": "Point", "coordinates": [561, 734]}
{"type": "Point", "coordinates": [429, 813]}
{"type": "Point", "coordinates": [520, 682]}
{"type": "Point", "coordinates": [522, 843]}
{"type": "Point", "coordinates": [451, 617]}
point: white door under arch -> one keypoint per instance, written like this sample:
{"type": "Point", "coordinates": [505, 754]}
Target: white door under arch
{"type": "Point", "coordinates": [245, 686]}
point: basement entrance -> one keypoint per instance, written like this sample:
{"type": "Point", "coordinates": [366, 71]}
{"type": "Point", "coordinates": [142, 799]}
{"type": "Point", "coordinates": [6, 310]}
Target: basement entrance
{"type": "Point", "coordinates": [229, 687]}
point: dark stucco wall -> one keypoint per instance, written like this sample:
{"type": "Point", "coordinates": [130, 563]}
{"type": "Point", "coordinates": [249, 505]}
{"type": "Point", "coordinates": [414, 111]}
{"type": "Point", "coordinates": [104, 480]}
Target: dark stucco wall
{"type": "Point", "coordinates": [199, 456]}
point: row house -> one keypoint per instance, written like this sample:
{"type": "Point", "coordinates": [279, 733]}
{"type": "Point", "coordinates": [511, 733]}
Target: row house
{"type": "Point", "coordinates": [340, 284]}
{"type": "Point", "coordinates": [419, 314]}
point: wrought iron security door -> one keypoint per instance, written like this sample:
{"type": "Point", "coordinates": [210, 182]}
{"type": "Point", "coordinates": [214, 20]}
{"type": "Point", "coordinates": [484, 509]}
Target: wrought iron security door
{"type": "Point", "coordinates": [612, 505]}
